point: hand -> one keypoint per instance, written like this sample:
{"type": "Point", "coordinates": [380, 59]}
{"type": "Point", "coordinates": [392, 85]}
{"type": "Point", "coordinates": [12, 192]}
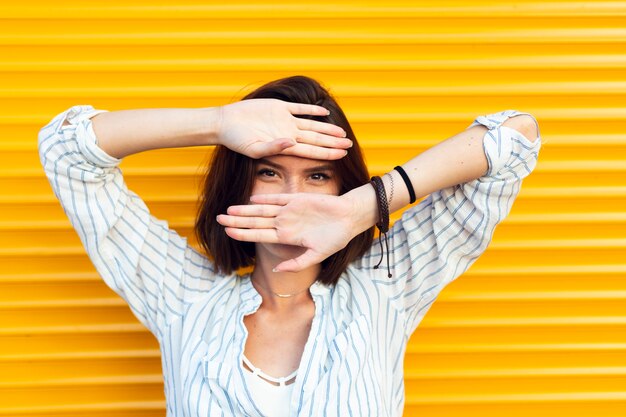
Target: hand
{"type": "Point", "coordinates": [321, 223]}
{"type": "Point", "coordinates": [264, 127]}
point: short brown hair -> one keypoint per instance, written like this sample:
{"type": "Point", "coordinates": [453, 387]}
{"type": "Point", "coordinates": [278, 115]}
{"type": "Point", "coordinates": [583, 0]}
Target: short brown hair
{"type": "Point", "coordinates": [231, 175]}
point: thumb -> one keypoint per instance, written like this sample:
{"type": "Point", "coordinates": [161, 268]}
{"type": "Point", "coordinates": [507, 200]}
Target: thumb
{"type": "Point", "coordinates": [275, 147]}
{"type": "Point", "coordinates": [303, 261]}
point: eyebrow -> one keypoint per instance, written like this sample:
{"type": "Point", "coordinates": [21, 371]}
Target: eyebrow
{"type": "Point", "coordinates": [323, 167]}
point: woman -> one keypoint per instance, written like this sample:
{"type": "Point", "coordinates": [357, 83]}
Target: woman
{"type": "Point", "coordinates": [316, 329]}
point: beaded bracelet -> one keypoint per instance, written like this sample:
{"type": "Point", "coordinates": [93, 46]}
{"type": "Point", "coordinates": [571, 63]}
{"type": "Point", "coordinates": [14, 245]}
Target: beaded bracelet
{"type": "Point", "coordinates": [383, 218]}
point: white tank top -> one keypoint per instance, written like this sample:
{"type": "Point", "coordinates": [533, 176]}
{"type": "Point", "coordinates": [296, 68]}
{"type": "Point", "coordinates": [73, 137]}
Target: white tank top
{"type": "Point", "coordinates": [272, 400]}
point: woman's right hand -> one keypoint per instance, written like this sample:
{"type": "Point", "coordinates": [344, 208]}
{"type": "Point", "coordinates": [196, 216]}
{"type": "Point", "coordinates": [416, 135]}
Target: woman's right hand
{"type": "Point", "coordinates": [264, 127]}
{"type": "Point", "coordinates": [322, 224]}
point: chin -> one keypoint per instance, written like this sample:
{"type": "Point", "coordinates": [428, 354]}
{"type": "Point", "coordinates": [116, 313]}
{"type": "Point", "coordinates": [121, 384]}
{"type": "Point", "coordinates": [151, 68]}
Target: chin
{"type": "Point", "coordinates": [285, 252]}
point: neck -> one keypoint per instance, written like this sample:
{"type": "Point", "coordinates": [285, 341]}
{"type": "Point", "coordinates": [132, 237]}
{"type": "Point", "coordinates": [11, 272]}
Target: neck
{"type": "Point", "coordinates": [269, 283]}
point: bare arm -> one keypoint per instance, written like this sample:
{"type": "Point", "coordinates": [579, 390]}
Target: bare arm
{"type": "Point", "coordinates": [456, 160]}
{"type": "Point", "coordinates": [125, 132]}
{"type": "Point", "coordinates": [255, 128]}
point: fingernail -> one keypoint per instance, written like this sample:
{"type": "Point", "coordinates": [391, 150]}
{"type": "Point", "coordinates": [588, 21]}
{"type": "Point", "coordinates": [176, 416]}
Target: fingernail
{"type": "Point", "coordinates": [274, 269]}
{"type": "Point", "coordinates": [346, 153]}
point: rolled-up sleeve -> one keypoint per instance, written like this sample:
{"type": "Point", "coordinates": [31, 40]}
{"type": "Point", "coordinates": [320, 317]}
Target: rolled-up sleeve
{"type": "Point", "coordinates": [437, 240]}
{"type": "Point", "coordinates": [137, 255]}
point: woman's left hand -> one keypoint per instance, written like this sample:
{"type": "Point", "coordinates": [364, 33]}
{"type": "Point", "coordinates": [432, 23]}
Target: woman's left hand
{"type": "Point", "coordinates": [321, 223]}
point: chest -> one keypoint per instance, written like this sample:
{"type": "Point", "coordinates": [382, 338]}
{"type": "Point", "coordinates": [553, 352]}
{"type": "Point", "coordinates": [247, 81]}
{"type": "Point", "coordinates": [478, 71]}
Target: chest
{"type": "Point", "coordinates": [275, 343]}
{"type": "Point", "coordinates": [341, 366]}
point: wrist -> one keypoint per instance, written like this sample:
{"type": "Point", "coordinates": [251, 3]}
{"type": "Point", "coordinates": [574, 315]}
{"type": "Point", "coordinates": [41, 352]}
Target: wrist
{"type": "Point", "coordinates": [364, 211]}
{"type": "Point", "coordinates": [211, 125]}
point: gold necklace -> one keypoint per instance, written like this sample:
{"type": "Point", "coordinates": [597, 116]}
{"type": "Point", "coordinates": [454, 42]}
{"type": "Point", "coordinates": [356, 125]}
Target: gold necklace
{"type": "Point", "coordinates": [278, 294]}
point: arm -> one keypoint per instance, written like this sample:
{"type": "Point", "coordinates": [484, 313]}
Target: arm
{"type": "Point", "coordinates": [139, 257]}
{"type": "Point", "coordinates": [255, 128]}
{"type": "Point", "coordinates": [439, 239]}
{"type": "Point", "coordinates": [457, 160]}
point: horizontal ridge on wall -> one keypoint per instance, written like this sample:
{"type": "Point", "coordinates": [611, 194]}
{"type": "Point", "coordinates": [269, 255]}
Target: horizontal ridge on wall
{"type": "Point", "coordinates": [147, 10]}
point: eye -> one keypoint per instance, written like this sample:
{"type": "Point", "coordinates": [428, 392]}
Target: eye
{"type": "Point", "coordinates": [266, 172]}
{"type": "Point", "coordinates": [320, 176]}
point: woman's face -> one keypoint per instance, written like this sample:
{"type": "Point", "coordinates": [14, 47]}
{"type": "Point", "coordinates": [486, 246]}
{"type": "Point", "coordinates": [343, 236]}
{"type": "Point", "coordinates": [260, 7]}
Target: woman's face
{"type": "Point", "coordinates": [283, 174]}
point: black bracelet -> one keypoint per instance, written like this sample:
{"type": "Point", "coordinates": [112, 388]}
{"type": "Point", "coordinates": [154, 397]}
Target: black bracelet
{"type": "Point", "coordinates": [383, 206]}
{"type": "Point", "coordinates": [407, 181]}
{"type": "Point", "coordinates": [383, 218]}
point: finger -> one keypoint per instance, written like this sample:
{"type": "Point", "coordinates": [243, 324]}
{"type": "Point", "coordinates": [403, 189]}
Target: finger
{"type": "Point", "coordinates": [327, 141]}
{"type": "Point", "coordinates": [253, 235]}
{"type": "Point", "coordinates": [307, 259]}
{"type": "Point", "coordinates": [304, 150]}
{"type": "Point", "coordinates": [308, 109]}
{"type": "Point", "coordinates": [275, 199]}
{"type": "Point", "coordinates": [246, 222]}
{"type": "Point", "coordinates": [320, 127]}
{"type": "Point", "coordinates": [254, 210]}
{"type": "Point", "coordinates": [261, 149]}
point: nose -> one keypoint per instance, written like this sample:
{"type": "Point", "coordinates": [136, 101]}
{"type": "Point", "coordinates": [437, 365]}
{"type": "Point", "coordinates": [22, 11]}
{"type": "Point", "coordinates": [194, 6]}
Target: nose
{"type": "Point", "coordinates": [292, 187]}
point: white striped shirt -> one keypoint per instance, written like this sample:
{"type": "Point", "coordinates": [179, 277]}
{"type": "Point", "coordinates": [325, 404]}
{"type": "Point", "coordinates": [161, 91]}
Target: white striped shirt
{"type": "Point", "coordinates": [352, 364]}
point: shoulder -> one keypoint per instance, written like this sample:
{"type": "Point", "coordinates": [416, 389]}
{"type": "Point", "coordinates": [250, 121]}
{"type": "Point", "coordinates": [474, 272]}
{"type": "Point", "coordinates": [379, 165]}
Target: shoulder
{"type": "Point", "coordinates": [525, 124]}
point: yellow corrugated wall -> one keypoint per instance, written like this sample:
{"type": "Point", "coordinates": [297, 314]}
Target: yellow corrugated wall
{"type": "Point", "coordinates": [536, 327]}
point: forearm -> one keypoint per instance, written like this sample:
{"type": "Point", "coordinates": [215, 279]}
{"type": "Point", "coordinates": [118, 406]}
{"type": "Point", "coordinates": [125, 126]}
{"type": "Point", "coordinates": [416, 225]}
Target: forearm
{"type": "Point", "coordinates": [125, 132]}
{"type": "Point", "coordinates": [456, 160]}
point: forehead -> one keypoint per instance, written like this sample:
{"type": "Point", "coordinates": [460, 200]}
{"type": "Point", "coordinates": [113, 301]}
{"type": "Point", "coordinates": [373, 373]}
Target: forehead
{"type": "Point", "coordinates": [295, 162]}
